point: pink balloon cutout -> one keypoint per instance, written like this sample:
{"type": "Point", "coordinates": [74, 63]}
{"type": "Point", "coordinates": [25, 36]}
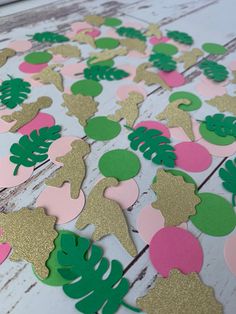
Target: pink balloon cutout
{"type": "Point", "coordinates": [149, 124]}
{"type": "Point", "coordinates": [230, 253]}
{"type": "Point", "coordinates": [20, 45]}
{"type": "Point", "coordinates": [173, 78]}
{"type": "Point", "coordinates": [40, 121]}
{"type": "Point", "coordinates": [32, 68]}
{"type": "Point", "coordinates": [175, 248]}
{"type": "Point", "coordinates": [124, 90]}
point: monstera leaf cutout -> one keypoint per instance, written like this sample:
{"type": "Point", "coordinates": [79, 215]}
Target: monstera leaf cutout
{"type": "Point", "coordinates": [33, 148]}
{"type": "Point", "coordinates": [229, 176]}
{"type": "Point", "coordinates": [49, 37]}
{"type": "Point", "coordinates": [214, 71]}
{"type": "Point", "coordinates": [163, 62]}
{"type": "Point", "coordinates": [221, 124]}
{"type": "Point", "coordinates": [130, 32]}
{"type": "Point", "coordinates": [98, 73]}
{"type": "Point", "coordinates": [180, 37]}
{"type": "Point", "coordinates": [151, 142]}
{"type": "Point", "coordinates": [83, 261]}
{"type": "Point", "coordinates": [14, 91]}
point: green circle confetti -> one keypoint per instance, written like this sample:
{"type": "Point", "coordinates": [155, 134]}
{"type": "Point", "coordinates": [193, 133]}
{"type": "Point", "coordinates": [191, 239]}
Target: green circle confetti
{"type": "Point", "coordinates": [120, 164]}
{"type": "Point", "coordinates": [195, 101]}
{"type": "Point", "coordinates": [213, 138]}
{"type": "Point", "coordinates": [112, 21]}
{"type": "Point", "coordinates": [108, 63]}
{"type": "Point", "coordinates": [38, 57]}
{"type": "Point", "coordinates": [87, 88]}
{"type": "Point", "coordinates": [107, 43]}
{"type": "Point", "coordinates": [102, 129]}
{"type": "Point", "coordinates": [214, 49]}
{"type": "Point", "coordinates": [214, 215]}
{"type": "Point", "coordinates": [187, 178]}
{"type": "Point", "coordinates": [167, 49]}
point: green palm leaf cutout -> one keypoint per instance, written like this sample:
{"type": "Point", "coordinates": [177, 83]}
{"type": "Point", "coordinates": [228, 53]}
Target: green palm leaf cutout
{"type": "Point", "coordinates": [214, 71]}
{"type": "Point", "coordinates": [180, 37]}
{"type": "Point", "coordinates": [163, 62]}
{"type": "Point", "coordinates": [153, 145]}
{"type": "Point", "coordinates": [84, 261]}
{"type": "Point", "coordinates": [130, 32]}
{"type": "Point", "coordinates": [14, 91]}
{"type": "Point", "coordinates": [228, 175]}
{"type": "Point", "coordinates": [221, 124]}
{"type": "Point", "coordinates": [33, 148]}
{"type": "Point", "coordinates": [98, 72]}
{"type": "Point", "coordinates": [50, 37]}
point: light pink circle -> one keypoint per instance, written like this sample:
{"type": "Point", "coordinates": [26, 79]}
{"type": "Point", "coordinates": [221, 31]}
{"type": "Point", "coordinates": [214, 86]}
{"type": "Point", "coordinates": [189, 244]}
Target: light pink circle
{"type": "Point", "coordinates": [133, 24]}
{"type": "Point", "coordinates": [192, 156]}
{"type": "Point", "coordinates": [154, 40]}
{"type": "Point", "coordinates": [40, 121]}
{"type": "Point", "coordinates": [34, 83]}
{"type": "Point", "coordinates": [60, 147]}
{"type": "Point", "coordinates": [58, 58]}
{"type": "Point", "coordinates": [7, 179]}
{"type": "Point", "coordinates": [128, 68]}
{"type": "Point", "coordinates": [111, 32]}
{"type": "Point", "coordinates": [5, 126]}
{"type": "Point", "coordinates": [32, 68]}
{"type": "Point", "coordinates": [232, 65]}
{"type": "Point", "coordinates": [5, 250]}
{"type": "Point", "coordinates": [149, 124]}
{"type": "Point", "coordinates": [149, 221]}
{"type": "Point", "coordinates": [58, 202]}
{"type": "Point", "coordinates": [210, 89]}
{"type": "Point", "coordinates": [77, 26]}
{"type": "Point", "coordinates": [218, 150]}
{"type": "Point", "coordinates": [179, 134]}
{"type": "Point", "coordinates": [126, 193]}
{"type": "Point", "coordinates": [230, 253]}
{"type": "Point", "coordinates": [181, 47]}
{"type": "Point", "coordinates": [175, 248]}
{"type": "Point", "coordinates": [124, 90]}
{"type": "Point", "coordinates": [20, 45]}
{"type": "Point", "coordinates": [172, 79]}
{"type": "Point", "coordinates": [93, 32]}
{"type": "Point", "coordinates": [72, 69]}
{"type": "Point", "coordinates": [70, 34]}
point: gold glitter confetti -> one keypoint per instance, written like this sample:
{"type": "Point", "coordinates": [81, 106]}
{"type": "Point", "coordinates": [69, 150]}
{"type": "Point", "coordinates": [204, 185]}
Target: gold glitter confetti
{"type": "Point", "coordinates": [27, 113]}
{"type": "Point", "coordinates": [5, 54]}
{"type": "Point", "coordinates": [177, 117]}
{"type": "Point", "coordinates": [73, 169]}
{"type": "Point", "coordinates": [133, 44]}
{"type": "Point", "coordinates": [83, 38]}
{"type": "Point", "coordinates": [189, 58]}
{"type": "Point", "coordinates": [175, 198]}
{"type": "Point", "coordinates": [31, 234]}
{"type": "Point", "coordinates": [95, 20]}
{"type": "Point", "coordinates": [180, 294]}
{"type": "Point", "coordinates": [107, 54]}
{"type": "Point", "coordinates": [48, 76]}
{"type": "Point", "coordinates": [224, 103]}
{"type": "Point", "coordinates": [66, 50]}
{"type": "Point", "coordinates": [149, 77]}
{"type": "Point", "coordinates": [106, 215]}
{"type": "Point", "coordinates": [153, 30]}
{"type": "Point", "coordinates": [129, 108]}
{"type": "Point", "coordinates": [233, 81]}
{"type": "Point", "coordinates": [82, 107]}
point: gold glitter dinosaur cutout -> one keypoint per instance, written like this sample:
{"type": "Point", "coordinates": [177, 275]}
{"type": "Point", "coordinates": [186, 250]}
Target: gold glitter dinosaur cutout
{"type": "Point", "coordinates": [95, 20]}
{"type": "Point", "coordinates": [31, 235]}
{"type": "Point", "coordinates": [73, 169]}
{"type": "Point", "coordinates": [107, 54]}
{"type": "Point", "coordinates": [106, 215]}
{"type": "Point", "coordinates": [83, 38]}
{"type": "Point", "coordinates": [153, 30]}
{"type": "Point", "coordinates": [5, 54]}
{"type": "Point", "coordinates": [66, 50]}
{"type": "Point", "coordinates": [133, 44]}
{"type": "Point", "coordinates": [224, 103]}
{"type": "Point", "coordinates": [189, 58]}
{"type": "Point", "coordinates": [27, 113]}
{"type": "Point", "coordinates": [48, 76]}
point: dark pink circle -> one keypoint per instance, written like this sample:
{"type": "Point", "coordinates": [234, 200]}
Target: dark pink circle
{"type": "Point", "coordinates": [40, 121]}
{"type": "Point", "coordinates": [192, 156]}
{"type": "Point", "coordinates": [93, 32]}
{"type": "Point", "coordinates": [149, 124]}
{"type": "Point", "coordinates": [154, 40]}
{"type": "Point", "coordinates": [175, 248]}
{"type": "Point", "coordinates": [173, 78]}
{"type": "Point", "coordinates": [32, 68]}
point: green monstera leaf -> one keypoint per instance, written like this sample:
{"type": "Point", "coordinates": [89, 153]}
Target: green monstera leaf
{"type": "Point", "coordinates": [163, 62]}
{"type": "Point", "coordinates": [50, 37]}
{"type": "Point", "coordinates": [221, 125]}
{"type": "Point", "coordinates": [180, 37]}
{"type": "Point", "coordinates": [214, 71]}
{"type": "Point", "coordinates": [228, 175]}
{"type": "Point", "coordinates": [130, 32]}
{"type": "Point", "coordinates": [98, 72]}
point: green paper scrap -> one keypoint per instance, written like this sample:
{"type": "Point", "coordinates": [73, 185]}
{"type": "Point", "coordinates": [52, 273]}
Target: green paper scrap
{"type": "Point", "coordinates": [112, 21]}
{"type": "Point", "coordinates": [98, 72]}
{"type": "Point", "coordinates": [228, 175]}
{"type": "Point", "coordinates": [214, 71]}
{"type": "Point", "coordinates": [221, 125]}
{"type": "Point", "coordinates": [214, 215]}
{"type": "Point", "coordinates": [14, 91]}
{"type": "Point", "coordinates": [187, 178]}
{"type": "Point", "coordinates": [33, 148]}
{"type": "Point", "coordinates": [87, 88]}
{"type": "Point", "coordinates": [102, 129]}
{"type": "Point", "coordinates": [163, 62]}
{"type": "Point", "coordinates": [153, 145]}
{"type": "Point", "coordinates": [181, 37]}
{"type": "Point", "coordinates": [214, 49]}
{"type": "Point", "coordinates": [107, 43]}
{"type": "Point", "coordinates": [50, 37]}
{"type": "Point", "coordinates": [213, 138]}
{"type": "Point", "coordinates": [165, 48]}
{"type": "Point", "coordinates": [38, 57]}
{"type": "Point", "coordinates": [130, 32]}
{"type": "Point", "coordinates": [108, 63]}
{"type": "Point", "coordinates": [195, 101]}
{"type": "Point", "coordinates": [120, 164]}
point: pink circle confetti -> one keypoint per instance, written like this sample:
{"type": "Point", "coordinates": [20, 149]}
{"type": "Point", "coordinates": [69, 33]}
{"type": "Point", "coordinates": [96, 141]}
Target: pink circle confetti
{"type": "Point", "coordinates": [124, 90]}
{"type": "Point", "coordinates": [172, 79]}
{"type": "Point", "coordinates": [77, 26]}
{"type": "Point", "coordinates": [218, 150]}
{"type": "Point", "coordinates": [210, 89]}
{"type": "Point", "coordinates": [20, 45]}
{"type": "Point", "coordinates": [7, 179]}
{"type": "Point", "coordinates": [232, 65]}
{"type": "Point", "coordinates": [126, 193]}
{"type": "Point", "coordinates": [40, 121]}
{"type": "Point", "coordinates": [32, 68]}
{"type": "Point", "coordinates": [192, 156]}
{"type": "Point", "coordinates": [93, 32]}
{"type": "Point", "coordinates": [58, 58]}
{"type": "Point", "coordinates": [110, 32]}
{"type": "Point", "coordinates": [149, 124]}
{"type": "Point", "coordinates": [230, 253]}
{"type": "Point", "coordinates": [175, 248]}
{"type": "Point", "coordinates": [5, 126]}
{"type": "Point", "coordinates": [128, 68]}
{"type": "Point", "coordinates": [179, 134]}
{"type": "Point", "coordinates": [58, 202]}
{"type": "Point", "coordinates": [133, 24]}
{"type": "Point", "coordinates": [181, 47]}
{"type": "Point", "coordinates": [5, 250]}
{"type": "Point", "coordinates": [72, 69]}
{"type": "Point", "coordinates": [34, 83]}
{"type": "Point", "coordinates": [154, 40]}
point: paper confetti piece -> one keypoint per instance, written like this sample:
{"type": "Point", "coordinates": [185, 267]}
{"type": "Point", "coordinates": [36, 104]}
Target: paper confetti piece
{"type": "Point", "coordinates": [5, 250]}
{"type": "Point", "coordinates": [195, 101]}
{"type": "Point", "coordinates": [180, 37]}
{"type": "Point", "coordinates": [153, 30]}
{"type": "Point", "coordinates": [150, 124]}
{"type": "Point", "coordinates": [187, 178]}
{"type": "Point", "coordinates": [179, 134]}
{"type": "Point", "coordinates": [212, 137]}
{"type": "Point", "coordinates": [228, 175]}
{"type": "Point", "coordinates": [218, 150]}
{"type": "Point", "coordinates": [31, 234]}
{"type": "Point", "coordinates": [189, 58]}
{"type": "Point", "coordinates": [38, 57]}
{"type": "Point", "coordinates": [49, 76]}
{"type": "Point", "coordinates": [95, 20]}
{"type": "Point", "coordinates": [41, 120]}
{"type": "Point", "coordinates": [210, 89]}
{"type": "Point", "coordinates": [102, 129]}
{"type": "Point", "coordinates": [214, 49]}
{"type": "Point", "coordinates": [66, 50]}
{"type": "Point", "coordinates": [108, 54]}
{"type": "Point", "coordinates": [83, 38]}
{"type": "Point", "coordinates": [123, 91]}
{"type": "Point", "coordinates": [5, 54]}
{"type": "Point", "coordinates": [112, 21]}
{"type": "Point", "coordinates": [20, 45]}
{"type": "Point", "coordinates": [107, 43]}
{"type": "Point", "coordinates": [163, 62]}
{"type": "Point", "coordinates": [50, 37]}
{"type": "Point", "coordinates": [106, 215]}
{"type": "Point", "coordinates": [165, 48]}
{"type": "Point", "coordinates": [224, 103]}
{"type": "Point", "coordinates": [98, 73]}
{"type": "Point", "coordinates": [5, 126]}
{"type": "Point", "coordinates": [230, 253]}
{"type": "Point", "coordinates": [133, 44]}
{"type": "Point", "coordinates": [87, 88]}
{"type": "Point", "coordinates": [130, 32]}
{"type": "Point", "coordinates": [32, 68]}
{"type": "Point", "coordinates": [213, 70]}
{"type": "Point", "coordinates": [172, 79]}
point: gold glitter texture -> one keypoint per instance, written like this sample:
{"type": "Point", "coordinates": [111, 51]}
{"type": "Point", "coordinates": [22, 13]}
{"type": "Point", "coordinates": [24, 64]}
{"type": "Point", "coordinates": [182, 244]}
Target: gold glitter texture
{"type": "Point", "coordinates": [27, 113]}
{"type": "Point", "coordinates": [129, 108]}
{"type": "Point", "coordinates": [95, 20]}
{"type": "Point", "coordinates": [106, 215]}
{"type": "Point", "coordinates": [175, 198]}
{"type": "Point", "coordinates": [224, 103]}
{"type": "Point", "coordinates": [82, 107]}
{"type": "Point", "coordinates": [153, 30]}
{"type": "Point", "coordinates": [180, 294]}
{"type": "Point", "coordinates": [107, 54]}
{"type": "Point", "coordinates": [5, 54]}
{"type": "Point", "coordinates": [133, 44]}
{"type": "Point", "coordinates": [31, 234]}
{"type": "Point", "coordinates": [189, 58]}
{"type": "Point", "coordinates": [233, 81]}
{"type": "Point", "coordinates": [83, 38]}
{"type": "Point", "coordinates": [177, 117]}
{"type": "Point", "coordinates": [66, 50]}
{"type": "Point", "coordinates": [49, 76]}
{"type": "Point", "coordinates": [73, 169]}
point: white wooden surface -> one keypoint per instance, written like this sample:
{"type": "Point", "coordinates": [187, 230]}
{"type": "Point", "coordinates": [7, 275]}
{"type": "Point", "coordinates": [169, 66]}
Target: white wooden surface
{"type": "Point", "coordinates": [205, 20]}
